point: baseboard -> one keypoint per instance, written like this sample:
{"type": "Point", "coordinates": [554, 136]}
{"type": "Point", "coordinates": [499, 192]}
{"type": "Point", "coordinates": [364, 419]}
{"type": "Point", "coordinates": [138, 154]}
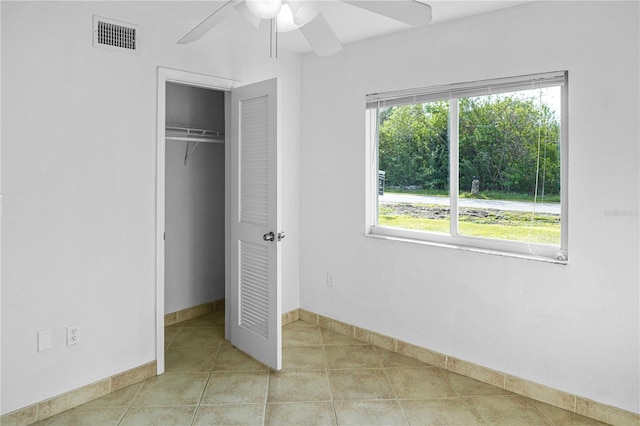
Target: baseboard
{"type": "Point", "coordinates": [573, 403]}
{"type": "Point", "coordinates": [52, 406]}
{"type": "Point", "coordinates": [193, 312]}
{"type": "Point", "coordinates": [215, 306]}
{"type": "Point", "coordinates": [291, 316]}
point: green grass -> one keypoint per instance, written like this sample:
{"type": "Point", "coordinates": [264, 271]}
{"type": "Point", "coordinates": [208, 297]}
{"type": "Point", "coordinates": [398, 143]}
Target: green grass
{"type": "Point", "coordinates": [504, 225]}
{"type": "Point", "coordinates": [434, 192]}
{"type": "Point", "coordinates": [483, 195]}
{"type": "Point", "coordinates": [510, 196]}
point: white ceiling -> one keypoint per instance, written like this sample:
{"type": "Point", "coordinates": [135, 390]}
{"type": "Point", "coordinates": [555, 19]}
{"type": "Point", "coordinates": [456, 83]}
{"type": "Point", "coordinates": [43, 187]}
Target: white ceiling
{"type": "Point", "coordinates": [348, 22]}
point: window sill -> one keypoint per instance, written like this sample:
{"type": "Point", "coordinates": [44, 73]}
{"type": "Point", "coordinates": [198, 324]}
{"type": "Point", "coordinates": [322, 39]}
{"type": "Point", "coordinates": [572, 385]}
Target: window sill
{"type": "Point", "coordinates": [384, 234]}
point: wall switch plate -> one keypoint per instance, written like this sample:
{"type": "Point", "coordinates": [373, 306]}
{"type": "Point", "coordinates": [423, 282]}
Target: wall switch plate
{"type": "Point", "coordinates": [45, 340]}
{"type": "Point", "coordinates": [72, 335]}
{"type": "Point", "coordinates": [330, 279]}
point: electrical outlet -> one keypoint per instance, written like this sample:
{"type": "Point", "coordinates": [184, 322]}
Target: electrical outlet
{"type": "Point", "coordinates": [330, 279]}
{"type": "Point", "coordinates": [73, 335]}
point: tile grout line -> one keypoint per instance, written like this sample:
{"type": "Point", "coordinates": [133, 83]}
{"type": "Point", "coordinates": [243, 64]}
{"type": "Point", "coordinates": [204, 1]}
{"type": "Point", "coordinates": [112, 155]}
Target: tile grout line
{"type": "Point", "coordinates": [326, 372]}
{"type": "Point", "coordinates": [130, 405]}
{"type": "Point", "coordinates": [538, 411]}
{"type": "Point", "coordinates": [195, 412]}
{"type": "Point", "coordinates": [266, 398]}
{"type": "Point", "coordinates": [210, 372]}
{"type": "Point", "coordinates": [461, 399]}
{"type": "Point", "coordinates": [395, 394]}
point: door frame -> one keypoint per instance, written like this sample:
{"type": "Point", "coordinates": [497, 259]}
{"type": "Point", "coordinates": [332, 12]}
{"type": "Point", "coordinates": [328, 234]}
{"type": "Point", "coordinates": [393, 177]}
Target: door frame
{"type": "Point", "coordinates": [166, 75]}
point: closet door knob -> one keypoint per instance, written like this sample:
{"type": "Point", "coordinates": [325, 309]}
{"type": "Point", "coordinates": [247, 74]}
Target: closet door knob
{"type": "Point", "coordinates": [269, 237]}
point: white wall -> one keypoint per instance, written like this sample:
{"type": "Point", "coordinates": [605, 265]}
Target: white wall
{"type": "Point", "coordinates": [195, 206]}
{"type": "Point", "coordinates": [574, 327]}
{"type": "Point", "coordinates": [194, 225]}
{"type": "Point", "coordinates": [78, 177]}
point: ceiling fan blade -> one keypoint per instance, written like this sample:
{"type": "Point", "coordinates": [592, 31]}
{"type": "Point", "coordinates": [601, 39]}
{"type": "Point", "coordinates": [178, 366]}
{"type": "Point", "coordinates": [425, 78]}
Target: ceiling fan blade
{"type": "Point", "coordinates": [208, 24]}
{"type": "Point", "coordinates": [321, 36]}
{"type": "Point", "coordinates": [410, 12]}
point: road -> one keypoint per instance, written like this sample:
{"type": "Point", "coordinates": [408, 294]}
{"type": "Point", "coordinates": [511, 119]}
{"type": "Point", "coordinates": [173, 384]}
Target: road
{"type": "Point", "coordinates": [522, 206]}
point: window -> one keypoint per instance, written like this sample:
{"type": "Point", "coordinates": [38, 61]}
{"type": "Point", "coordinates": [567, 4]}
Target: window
{"type": "Point", "coordinates": [479, 165]}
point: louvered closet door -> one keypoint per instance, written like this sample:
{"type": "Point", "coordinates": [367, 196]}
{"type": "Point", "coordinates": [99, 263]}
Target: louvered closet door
{"type": "Point", "coordinates": [255, 224]}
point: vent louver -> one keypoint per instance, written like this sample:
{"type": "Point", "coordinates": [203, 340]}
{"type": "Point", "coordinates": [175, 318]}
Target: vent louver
{"type": "Point", "coordinates": [112, 34]}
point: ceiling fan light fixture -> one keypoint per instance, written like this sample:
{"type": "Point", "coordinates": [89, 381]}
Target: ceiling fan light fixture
{"type": "Point", "coordinates": [303, 11]}
{"type": "Point", "coordinates": [264, 9]}
{"type": "Point", "coordinates": [243, 9]}
{"type": "Point", "coordinates": [285, 20]}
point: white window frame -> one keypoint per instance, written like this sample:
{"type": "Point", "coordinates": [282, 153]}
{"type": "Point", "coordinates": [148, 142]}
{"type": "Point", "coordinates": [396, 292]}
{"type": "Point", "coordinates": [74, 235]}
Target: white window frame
{"type": "Point", "coordinates": [453, 92]}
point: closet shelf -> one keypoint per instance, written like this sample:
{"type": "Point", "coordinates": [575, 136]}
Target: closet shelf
{"type": "Point", "coordinates": [186, 134]}
{"type": "Point", "coordinates": [193, 135]}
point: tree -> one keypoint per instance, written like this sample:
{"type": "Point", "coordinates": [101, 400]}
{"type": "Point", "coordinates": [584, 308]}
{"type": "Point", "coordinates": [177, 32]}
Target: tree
{"type": "Point", "coordinates": [508, 142]}
{"type": "Point", "coordinates": [414, 145]}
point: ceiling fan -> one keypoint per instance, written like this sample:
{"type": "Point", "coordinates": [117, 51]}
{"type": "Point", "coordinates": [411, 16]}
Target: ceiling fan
{"type": "Point", "coordinates": [306, 15]}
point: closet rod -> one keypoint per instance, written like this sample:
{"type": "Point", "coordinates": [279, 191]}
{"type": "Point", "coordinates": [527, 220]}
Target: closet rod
{"type": "Point", "coordinates": [191, 139]}
{"type": "Point", "coordinates": [193, 135]}
{"type": "Point", "coordinates": [186, 134]}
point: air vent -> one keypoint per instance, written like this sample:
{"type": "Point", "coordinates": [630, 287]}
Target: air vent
{"type": "Point", "coordinates": [112, 34]}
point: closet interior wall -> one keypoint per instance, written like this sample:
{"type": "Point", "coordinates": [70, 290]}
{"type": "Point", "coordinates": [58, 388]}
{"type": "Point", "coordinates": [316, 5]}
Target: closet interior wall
{"type": "Point", "coordinates": [194, 206]}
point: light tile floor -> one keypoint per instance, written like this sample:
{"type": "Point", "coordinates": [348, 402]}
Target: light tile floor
{"type": "Point", "coordinates": [327, 378]}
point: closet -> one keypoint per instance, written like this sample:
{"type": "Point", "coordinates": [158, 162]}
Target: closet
{"type": "Point", "coordinates": [194, 196]}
